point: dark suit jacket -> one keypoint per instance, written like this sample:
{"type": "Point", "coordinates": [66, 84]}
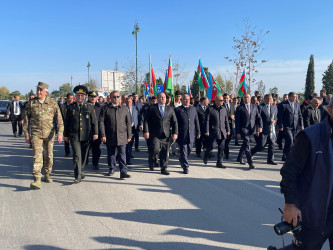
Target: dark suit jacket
{"type": "Point", "coordinates": [115, 124]}
{"type": "Point", "coordinates": [266, 118]}
{"type": "Point", "coordinates": [287, 119]}
{"type": "Point", "coordinates": [10, 110]}
{"type": "Point", "coordinates": [201, 115]}
{"type": "Point", "coordinates": [136, 117]}
{"type": "Point", "coordinates": [158, 126]}
{"type": "Point", "coordinates": [63, 108]}
{"type": "Point", "coordinates": [80, 125]}
{"type": "Point", "coordinates": [247, 124]}
{"type": "Point", "coordinates": [217, 123]}
{"type": "Point", "coordinates": [310, 117]}
{"type": "Point", "coordinates": [188, 124]}
{"type": "Point", "coordinates": [230, 112]}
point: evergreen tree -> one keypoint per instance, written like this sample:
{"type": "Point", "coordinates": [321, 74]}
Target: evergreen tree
{"type": "Point", "coordinates": [195, 86]}
{"type": "Point", "coordinates": [328, 79]}
{"type": "Point", "coordinates": [310, 79]}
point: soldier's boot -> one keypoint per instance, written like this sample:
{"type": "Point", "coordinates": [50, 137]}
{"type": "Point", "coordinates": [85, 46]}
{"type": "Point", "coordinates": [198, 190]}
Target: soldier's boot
{"type": "Point", "coordinates": [48, 178]}
{"type": "Point", "coordinates": [37, 184]}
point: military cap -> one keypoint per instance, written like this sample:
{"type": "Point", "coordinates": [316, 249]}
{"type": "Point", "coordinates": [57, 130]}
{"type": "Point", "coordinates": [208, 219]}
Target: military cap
{"type": "Point", "coordinates": [80, 89]}
{"type": "Point", "coordinates": [42, 85]}
{"type": "Point", "coordinates": [93, 93]}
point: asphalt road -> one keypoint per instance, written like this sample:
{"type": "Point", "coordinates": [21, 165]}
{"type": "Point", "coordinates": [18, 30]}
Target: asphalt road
{"type": "Point", "coordinates": [209, 208]}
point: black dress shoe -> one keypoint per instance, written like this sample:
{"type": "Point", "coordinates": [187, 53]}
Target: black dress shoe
{"type": "Point", "coordinates": [129, 163]}
{"type": "Point", "coordinates": [111, 172]}
{"type": "Point", "coordinates": [241, 161]}
{"type": "Point", "coordinates": [220, 165]}
{"type": "Point", "coordinates": [124, 175]}
{"type": "Point", "coordinates": [271, 163]}
{"type": "Point", "coordinates": [76, 181]}
{"type": "Point", "coordinates": [151, 168]}
{"type": "Point", "coordinates": [284, 158]}
{"type": "Point", "coordinates": [185, 171]}
{"type": "Point", "coordinates": [251, 167]}
{"type": "Point", "coordinates": [205, 160]}
{"type": "Point", "coordinates": [15, 135]}
{"type": "Point", "coordinates": [137, 150]}
{"type": "Point", "coordinates": [165, 172]}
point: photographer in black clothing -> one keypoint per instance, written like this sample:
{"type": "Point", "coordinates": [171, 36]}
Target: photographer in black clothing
{"type": "Point", "coordinates": [307, 185]}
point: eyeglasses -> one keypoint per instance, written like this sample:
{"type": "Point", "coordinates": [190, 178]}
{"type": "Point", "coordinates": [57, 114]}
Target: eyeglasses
{"type": "Point", "coordinates": [115, 96]}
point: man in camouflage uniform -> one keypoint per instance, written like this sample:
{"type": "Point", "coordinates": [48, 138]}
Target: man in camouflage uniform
{"type": "Point", "coordinates": [42, 111]}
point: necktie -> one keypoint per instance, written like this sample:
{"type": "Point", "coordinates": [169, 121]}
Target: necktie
{"type": "Point", "coordinates": [16, 108]}
{"type": "Point", "coordinates": [316, 114]}
{"type": "Point", "coordinates": [80, 106]}
{"type": "Point", "coordinates": [227, 106]}
{"type": "Point", "coordinates": [204, 108]}
{"type": "Point", "coordinates": [293, 107]}
{"type": "Point", "coordinates": [162, 111]}
{"type": "Point", "coordinates": [248, 109]}
{"type": "Point", "coordinates": [269, 109]}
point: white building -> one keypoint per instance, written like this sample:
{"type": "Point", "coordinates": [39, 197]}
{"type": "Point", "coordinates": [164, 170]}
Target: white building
{"type": "Point", "coordinates": [112, 80]}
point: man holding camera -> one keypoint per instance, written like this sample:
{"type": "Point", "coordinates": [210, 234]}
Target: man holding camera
{"type": "Point", "coordinates": [307, 185]}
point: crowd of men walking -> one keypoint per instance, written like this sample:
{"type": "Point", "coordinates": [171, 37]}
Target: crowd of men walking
{"type": "Point", "coordinates": [117, 122]}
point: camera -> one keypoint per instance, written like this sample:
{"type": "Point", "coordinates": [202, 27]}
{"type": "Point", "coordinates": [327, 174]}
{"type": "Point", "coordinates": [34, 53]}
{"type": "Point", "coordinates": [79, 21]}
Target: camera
{"type": "Point", "coordinates": [284, 227]}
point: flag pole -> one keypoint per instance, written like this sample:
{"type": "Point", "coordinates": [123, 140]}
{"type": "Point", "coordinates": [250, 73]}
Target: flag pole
{"type": "Point", "coordinates": [149, 74]}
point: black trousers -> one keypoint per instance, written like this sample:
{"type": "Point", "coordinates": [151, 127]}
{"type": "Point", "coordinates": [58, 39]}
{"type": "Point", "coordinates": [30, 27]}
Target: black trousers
{"type": "Point", "coordinates": [313, 239]}
{"type": "Point", "coordinates": [261, 142]}
{"type": "Point", "coordinates": [67, 151]}
{"type": "Point", "coordinates": [184, 151]}
{"type": "Point", "coordinates": [136, 139]}
{"type": "Point", "coordinates": [220, 148]}
{"type": "Point", "coordinates": [201, 142]}
{"type": "Point", "coordinates": [227, 141]}
{"type": "Point", "coordinates": [129, 146]}
{"type": "Point", "coordinates": [80, 155]}
{"type": "Point", "coordinates": [245, 148]}
{"type": "Point", "coordinates": [280, 136]}
{"type": "Point", "coordinates": [289, 137]}
{"type": "Point", "coordinates": [16, 122]}
{"type": "Point", "coordinates": [159, 147]}
{"type": "Point", "coordinates": [120, 157]}
{"type": "Point", "coordinates": [96, 151]}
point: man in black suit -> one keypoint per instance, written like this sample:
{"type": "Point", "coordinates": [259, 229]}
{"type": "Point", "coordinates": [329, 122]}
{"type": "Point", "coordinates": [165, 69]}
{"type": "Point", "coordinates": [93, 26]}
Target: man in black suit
{"type": "Point", "coordinates": [116, 132]}
{"type": "Point", "coordinates": [63, 108]}
{"type": "Point", "coordinates": [81, 127]}
{"type": "Point", "coordinates": [248, 122]}
{"type": "Point", "coordinates": [159, 123]}
{"type": "Point", "coordinates": [201, 110]}
{"type": "Point", "coordinates": [231, 119]}
{"type": "Point", "coordinates": [312, 114]}
{"type": "Point", "coordinates": [138, 105]}
{"type": "Point", "coordinates": [289, 118]}
{"type": "Point", "coordinates": [216, 128]}
{"type": "Point", "coordinates": [188, 129]}
{"type": "Point", "coordinates": [268, 113]}
{"type": "Point", "coordinates": [136, 124]}
{"type": "Point", "coordinates": [14, 113]}
{"type": "Point", "coordinates": [95, 145]}
{"type": "Point", "coordinates": [280, 136]}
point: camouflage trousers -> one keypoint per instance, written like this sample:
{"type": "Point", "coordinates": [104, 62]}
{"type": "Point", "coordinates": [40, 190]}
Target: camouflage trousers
{"type": "Point", "coordinates": [38, 146]}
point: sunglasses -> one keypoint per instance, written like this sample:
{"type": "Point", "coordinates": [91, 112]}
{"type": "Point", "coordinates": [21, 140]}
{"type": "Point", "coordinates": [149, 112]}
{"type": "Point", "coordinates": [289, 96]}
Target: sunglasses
{"type": "Point", "coordinates": [115, 96]}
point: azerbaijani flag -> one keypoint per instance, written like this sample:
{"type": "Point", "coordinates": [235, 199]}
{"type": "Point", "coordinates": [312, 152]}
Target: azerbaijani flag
{"type": "Point", "coordinates": [169, 85]}
{"type": "Point", "coordinates": [242, 85]}
{"type": "Point", "coordinates": [202, 79]}
{"type": "Point", "coordinates": [153, 87]}
{"type": "Point", "coordinates": [189, 91]}
{"type": "Point", "coordinates": [214, 88]}
{"type": "Point", "coordinates": [165, 81]}
{"type": "Point", "coordinates": [147, 87]}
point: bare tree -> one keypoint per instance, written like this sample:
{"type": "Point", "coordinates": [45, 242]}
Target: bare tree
{"type": "Point", "coordinates": [248, 48]}
{"type": "Point", "coordinates": [130, 77]}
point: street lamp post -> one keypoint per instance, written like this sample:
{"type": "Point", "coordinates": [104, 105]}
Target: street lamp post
{"type": "Point", "coordinates": [135, 33]}
{"type": "Point", "coordinates": [88, 66]}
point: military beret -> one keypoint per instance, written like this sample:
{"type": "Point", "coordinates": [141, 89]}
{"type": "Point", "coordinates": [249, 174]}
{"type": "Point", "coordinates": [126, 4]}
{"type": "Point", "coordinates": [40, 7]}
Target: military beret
{"type": "Point", "coordinates": [42, 85]}
{"type": "Point", "coordinates": [93, 93]}
{"type": "Point", "coordinates": [80, 89]}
